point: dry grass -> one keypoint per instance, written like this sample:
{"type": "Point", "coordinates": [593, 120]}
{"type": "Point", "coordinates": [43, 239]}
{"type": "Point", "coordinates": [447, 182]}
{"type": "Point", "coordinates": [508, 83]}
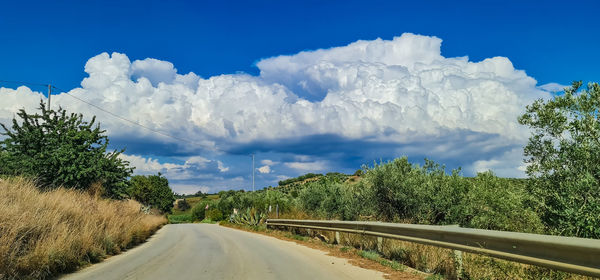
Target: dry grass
{"type": "Point", "coordinates": [438, 261]}
{"type": "Point", "coordinates": [46, 233]}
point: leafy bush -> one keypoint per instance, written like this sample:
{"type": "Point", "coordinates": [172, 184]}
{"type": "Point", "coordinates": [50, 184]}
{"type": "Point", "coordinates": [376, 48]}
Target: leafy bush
{"type": "Point", "coordinates": [214, 214]}
{"type": "Point", "coordinates": [199, 211]}
{"type": "Point", "coordinates": [60, 149]}
{"type": "Point", "coordinates": [152, 190]}
{"type": "Point", "coordinates": [183, 205]}
{"type": "Point", "coordinates": [401, 191]}
{"type": "Point", "coordinates": [498, 204]}
{"type": "Point", "coordinates": [563, 155]}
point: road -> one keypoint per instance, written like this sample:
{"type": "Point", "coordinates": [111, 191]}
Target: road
{"type": "Point", "coordinates": [205, 251]}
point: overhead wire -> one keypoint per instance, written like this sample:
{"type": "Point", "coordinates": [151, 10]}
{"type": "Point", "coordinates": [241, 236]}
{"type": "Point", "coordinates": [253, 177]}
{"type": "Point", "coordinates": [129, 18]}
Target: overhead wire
{"type": "Point", "coordinates": [108, 112]}
{"type": "Point", "coordinates": [125, 119]}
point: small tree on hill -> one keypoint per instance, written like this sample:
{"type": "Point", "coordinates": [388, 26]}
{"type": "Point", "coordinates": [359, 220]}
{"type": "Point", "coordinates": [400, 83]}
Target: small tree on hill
{"type": "Point", "coordinates": [183, 205]}
{"type": "Point", "coordinates": [60, 149]}
{"type": "Point", "coordinates": [564, 159]}
{"type": "Point", "coordinates": [152, 190]}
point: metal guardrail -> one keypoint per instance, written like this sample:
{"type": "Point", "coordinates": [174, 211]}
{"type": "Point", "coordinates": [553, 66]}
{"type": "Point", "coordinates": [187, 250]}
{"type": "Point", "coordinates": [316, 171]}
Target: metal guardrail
{"type": "Point", "coordinates": [570, 254]}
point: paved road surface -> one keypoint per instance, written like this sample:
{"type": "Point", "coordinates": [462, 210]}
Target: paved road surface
{"type": "Point", "coordinates": [204, 251]}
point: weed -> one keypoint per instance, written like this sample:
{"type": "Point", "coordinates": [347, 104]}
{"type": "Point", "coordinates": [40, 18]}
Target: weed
{"type": "Point", "coordinates": [374, 256]}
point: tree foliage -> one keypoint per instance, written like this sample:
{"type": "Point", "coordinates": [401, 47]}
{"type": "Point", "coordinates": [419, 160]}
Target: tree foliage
{"type": "Point", "coordinates": [403, 192]}
{"type": "Point", "coordinates": [152, 190]}
{"type": "Point", "coordinates": [61, 149]}
{"type": "Point", "coordinates": [183, 205]}
{"type": "Point", "coordinates": [563, 154]}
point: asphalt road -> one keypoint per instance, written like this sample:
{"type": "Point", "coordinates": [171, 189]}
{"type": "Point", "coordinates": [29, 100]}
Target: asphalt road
{"type": "Point", "coordinates": [205, 251]}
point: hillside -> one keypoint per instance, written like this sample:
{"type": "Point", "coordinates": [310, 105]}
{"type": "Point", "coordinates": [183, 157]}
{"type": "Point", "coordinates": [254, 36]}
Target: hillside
{"type": "Point", "coordinates": [43, 234]}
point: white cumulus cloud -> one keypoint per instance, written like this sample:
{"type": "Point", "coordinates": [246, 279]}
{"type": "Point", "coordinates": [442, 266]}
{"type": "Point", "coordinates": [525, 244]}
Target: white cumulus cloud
{"type": "Point", "coordinates": [264, 169]}
{"type": "Point", "coordinates": [314, 166]}
{"type": "Point", "coordinates": [401, 91]}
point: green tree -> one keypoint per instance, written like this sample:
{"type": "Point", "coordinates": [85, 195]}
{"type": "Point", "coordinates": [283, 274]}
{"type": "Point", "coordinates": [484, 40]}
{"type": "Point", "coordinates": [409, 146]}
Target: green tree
{"type": "Point", "coordinates": [183, 205]}
{"type": "Point", "coordinates": [563, 154]}
{"type": "Point", "coordinates": [152, 190]}
{"type": "Point", "coordinates": [60, 149]}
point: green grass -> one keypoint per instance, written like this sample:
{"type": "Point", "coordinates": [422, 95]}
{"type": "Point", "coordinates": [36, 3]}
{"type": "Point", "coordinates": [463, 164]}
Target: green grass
{"type": "Point", "coordinates": [179, 219]}
{"type": "Point", "coordinates": [374, 256]}
{"type": "Point", "coordinates": [208, 221]}
{"type": "Point", "coordinates": [193, 201]}
{"type": "Point", "coordinates": [435, 277]}
{"type": "Point", "coordinates": [296, 236]}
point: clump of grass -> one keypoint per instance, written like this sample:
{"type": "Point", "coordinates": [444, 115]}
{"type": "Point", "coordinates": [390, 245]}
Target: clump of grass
{"type": "Point", "coordinates": [435, 277]}
{"type": "Point", "coordinates": [179, 219]}
{"type": "Point", "coordinates": [46, 233]}
{"type": "Point", "coordinates": [296, 237]}
{"type": "Point", "coordinates": [374, 256]}
{"type": "Point", "coordinates": [208, 221]}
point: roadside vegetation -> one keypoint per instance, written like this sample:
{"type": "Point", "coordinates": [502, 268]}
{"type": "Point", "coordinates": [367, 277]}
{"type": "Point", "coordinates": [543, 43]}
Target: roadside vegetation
{"type": "Point", "coordinates": [560, 196]}
{"type": "Point", "coordinates": [67, 200]}
{"type": "Point", "coordinates": [44, 233]}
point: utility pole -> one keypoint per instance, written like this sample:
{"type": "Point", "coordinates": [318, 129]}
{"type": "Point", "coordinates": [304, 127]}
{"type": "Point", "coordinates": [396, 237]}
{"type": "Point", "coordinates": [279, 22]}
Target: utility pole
{"type": "Point", "coordinates": [49, 95]}
{"type": "Point", "coordinates": [252, 172]}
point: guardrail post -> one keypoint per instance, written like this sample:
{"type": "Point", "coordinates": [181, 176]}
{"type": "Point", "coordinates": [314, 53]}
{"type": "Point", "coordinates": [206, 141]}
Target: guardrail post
{"type": "Point", "coordinates": [338, 240]}
{"type": "Point", "coordinates": [458, 261]}
{"type": "Point", "coordinates": [380, 244]}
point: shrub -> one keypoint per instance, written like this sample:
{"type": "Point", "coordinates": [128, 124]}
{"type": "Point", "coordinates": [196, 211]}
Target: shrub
{"type": "Point", "coordinates": [60, 149]}
{"type": "Point", "coordinates": [214, 214]}
{"type": "Point", "coordinates": [183, 205]}
{"type": "Point", "coordinates": [401, 191]}
{"type": "Point", "coordinates": [198, 211]}
{"type": "Point", "coordinates": [563, 155]}
{"type": "Point", "coordinates": [498, 204]}
{"type": "Point", "coordinates": [152, 190]}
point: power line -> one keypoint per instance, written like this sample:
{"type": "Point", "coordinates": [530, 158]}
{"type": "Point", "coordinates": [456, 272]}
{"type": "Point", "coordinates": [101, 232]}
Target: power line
{"type": "Point", "coordinates": [125, 119]}
{"type": "Point", "coordinates": [106, 111]}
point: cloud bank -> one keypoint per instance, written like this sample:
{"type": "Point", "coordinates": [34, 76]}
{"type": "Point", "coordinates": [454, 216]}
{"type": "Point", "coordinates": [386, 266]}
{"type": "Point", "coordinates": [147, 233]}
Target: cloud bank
{"type": "Point", "coordinates": [374, 99]}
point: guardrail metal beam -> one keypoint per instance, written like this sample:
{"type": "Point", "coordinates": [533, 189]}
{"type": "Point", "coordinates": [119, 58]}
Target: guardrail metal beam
{"type": "Point", "coordinates": [571, 254]}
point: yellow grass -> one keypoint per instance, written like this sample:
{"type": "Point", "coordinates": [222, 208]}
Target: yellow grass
{"type": "Point", "coordinates": [437, 260]}
{"type": "Point", "coordinates": [46, 233]}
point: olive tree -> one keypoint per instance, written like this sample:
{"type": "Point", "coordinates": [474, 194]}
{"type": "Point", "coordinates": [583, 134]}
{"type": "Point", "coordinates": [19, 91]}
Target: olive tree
{"type": "Point", "coordinates": [153, 191]}
{"type": "Point", "coordinates": [563, 156]}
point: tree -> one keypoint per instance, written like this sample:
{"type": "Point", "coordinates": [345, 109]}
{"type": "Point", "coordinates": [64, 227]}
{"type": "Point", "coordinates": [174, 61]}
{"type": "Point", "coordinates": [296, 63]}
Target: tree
{"type": "Point", "coordinates": [60, 149]}
{"type": "Point", "coordinates": [152, 190]}
{"type": "Point", "coordinates": [563, 154]}
{"type": "Point", "coordinates": [183, 205]}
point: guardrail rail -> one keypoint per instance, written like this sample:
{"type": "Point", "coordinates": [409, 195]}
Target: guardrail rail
{"type": "Point", "coordinates": [570, 254]}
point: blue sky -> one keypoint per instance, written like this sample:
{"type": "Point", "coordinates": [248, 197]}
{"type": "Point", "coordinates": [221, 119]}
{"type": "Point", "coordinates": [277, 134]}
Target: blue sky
{"type": "Point", "coordinates": [226, 44]}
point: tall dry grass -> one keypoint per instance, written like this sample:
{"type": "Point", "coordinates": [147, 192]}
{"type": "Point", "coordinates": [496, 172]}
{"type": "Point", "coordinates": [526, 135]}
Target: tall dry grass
{"type": "Point", "coordinates": [46, 233]}
{"type": "Point", "coordinates": [436, 260]}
